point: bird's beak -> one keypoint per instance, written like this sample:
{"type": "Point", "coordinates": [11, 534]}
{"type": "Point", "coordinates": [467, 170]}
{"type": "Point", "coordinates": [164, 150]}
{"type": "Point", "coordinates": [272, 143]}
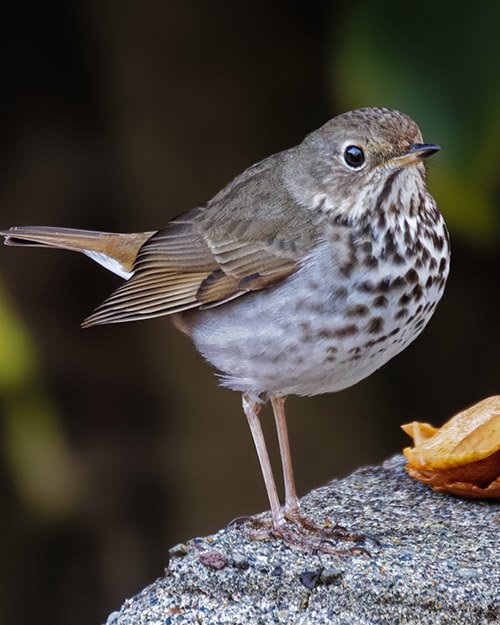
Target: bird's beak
{"type": "Point", "coordinates": [418, 152]}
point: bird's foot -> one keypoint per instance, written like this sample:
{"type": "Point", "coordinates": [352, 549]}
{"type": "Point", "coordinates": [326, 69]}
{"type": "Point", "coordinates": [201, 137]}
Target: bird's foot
{"type": "Point", "coordinates": [327, 530]}
{"type": "Point", "coordinates": [309, 536]}
{"type": "Point", "coordinates": [299, 532]}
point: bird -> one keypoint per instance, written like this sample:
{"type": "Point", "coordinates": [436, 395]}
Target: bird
{"type": "Point", "coordinates": [304, 275]}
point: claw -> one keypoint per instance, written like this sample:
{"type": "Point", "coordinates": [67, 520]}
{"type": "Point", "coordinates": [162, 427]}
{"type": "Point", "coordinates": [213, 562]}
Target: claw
{"type": "Point", "coordinates": [239, 520]}
{"type": "Point", "coordinates": [304, 534]}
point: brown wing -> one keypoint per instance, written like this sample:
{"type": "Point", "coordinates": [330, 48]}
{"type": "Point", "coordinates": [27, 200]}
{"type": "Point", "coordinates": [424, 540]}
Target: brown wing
{"type": "Point", "coordinates": [187, 265]}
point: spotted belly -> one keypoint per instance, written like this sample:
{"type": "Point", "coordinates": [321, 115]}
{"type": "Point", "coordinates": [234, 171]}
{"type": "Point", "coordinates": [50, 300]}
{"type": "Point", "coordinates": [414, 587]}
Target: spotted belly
{"type": "Point", "coordinates": [313, 334]}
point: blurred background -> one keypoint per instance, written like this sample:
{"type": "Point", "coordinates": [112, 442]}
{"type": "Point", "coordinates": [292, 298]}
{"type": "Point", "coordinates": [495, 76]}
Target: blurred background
{"type": "Point", "coordinates": [117, 442]}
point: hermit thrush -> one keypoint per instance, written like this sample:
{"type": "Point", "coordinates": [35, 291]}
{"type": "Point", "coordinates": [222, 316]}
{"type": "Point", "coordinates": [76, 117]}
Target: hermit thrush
{"type": "Point", "coordinates": [304, 275]}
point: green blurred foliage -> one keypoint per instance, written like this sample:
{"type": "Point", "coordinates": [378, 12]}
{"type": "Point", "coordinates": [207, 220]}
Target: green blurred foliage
{"type": "Point", "coordinates": [439, 63]}
{"type": "Point", "coordinates": [34, 444]}
{"type": "Point", "coordinates": [17, 355]}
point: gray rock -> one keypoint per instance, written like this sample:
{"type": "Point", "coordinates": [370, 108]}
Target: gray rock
{"type": "Point", "coordinates": [240, 561]}
{"type": "Point", "coordinates": [331, 575]}
{"type": "Point", "coordinates": [178, 551]}
{"type": "Point", "coordinates": [436, 563]}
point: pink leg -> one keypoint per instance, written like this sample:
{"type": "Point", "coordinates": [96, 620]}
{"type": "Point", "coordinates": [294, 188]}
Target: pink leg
{"type": "Point", "coordinates": [292, 508]}
{"type": "Point", "coordinates": [251, 409]}
{"type": "Point", "coordinates": [301, 532]}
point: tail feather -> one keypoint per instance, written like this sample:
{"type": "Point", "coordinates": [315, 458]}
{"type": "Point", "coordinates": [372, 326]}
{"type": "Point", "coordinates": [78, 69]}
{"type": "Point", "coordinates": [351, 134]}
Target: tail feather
{"type": "Point", "coordinates": [116, 252]}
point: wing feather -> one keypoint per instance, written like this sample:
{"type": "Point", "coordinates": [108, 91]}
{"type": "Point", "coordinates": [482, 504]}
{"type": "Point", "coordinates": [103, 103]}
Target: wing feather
{"type": "Point", "coordinates": [187, 265]}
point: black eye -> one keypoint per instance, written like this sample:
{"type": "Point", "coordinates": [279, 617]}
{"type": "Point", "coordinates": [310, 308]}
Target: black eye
{"type": "Point", "coordinates": [354, 156]}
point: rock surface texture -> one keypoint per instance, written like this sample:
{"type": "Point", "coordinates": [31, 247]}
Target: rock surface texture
{"type": "Point", "coordinates": [436, 561]}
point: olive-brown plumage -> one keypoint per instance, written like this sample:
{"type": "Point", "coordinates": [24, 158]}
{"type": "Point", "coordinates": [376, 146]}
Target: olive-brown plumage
{"type": "Point", "coordinates": [304, 275]}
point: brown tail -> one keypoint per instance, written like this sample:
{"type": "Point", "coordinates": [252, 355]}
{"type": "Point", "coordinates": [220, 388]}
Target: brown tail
{"type": "Point", "coordinates": [116, 252]}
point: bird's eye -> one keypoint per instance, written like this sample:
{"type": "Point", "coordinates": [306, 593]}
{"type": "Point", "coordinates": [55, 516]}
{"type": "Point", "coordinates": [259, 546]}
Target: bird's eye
{"type": "Point", "coordinates": [354, 156]}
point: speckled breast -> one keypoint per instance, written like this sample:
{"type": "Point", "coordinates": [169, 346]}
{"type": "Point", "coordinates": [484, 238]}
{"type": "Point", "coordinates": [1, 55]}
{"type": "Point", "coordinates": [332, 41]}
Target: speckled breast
{"type": "Point", "coordinates": [362, 295]}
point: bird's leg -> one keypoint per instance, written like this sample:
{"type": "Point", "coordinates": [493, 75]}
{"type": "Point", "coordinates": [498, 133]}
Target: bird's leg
{"type": "Point", "coordinates": [292, 508]}
{"type": "Point", "coordinates": [251, 409]}
{"type": "Point", "coordinates": [298, 531]}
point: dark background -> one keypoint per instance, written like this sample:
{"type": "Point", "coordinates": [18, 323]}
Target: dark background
{"type": "Point", "coordinates": [116, 441]}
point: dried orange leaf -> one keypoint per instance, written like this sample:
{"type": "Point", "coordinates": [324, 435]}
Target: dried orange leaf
{"type": "Point", "coordinates": [467, 437]}
{"type": "Point", "coordinates": [462, 457]}
{"type": "Point", "coordinates": [419, 431]}
{"type": "Point", "coordinates": [468, 490]}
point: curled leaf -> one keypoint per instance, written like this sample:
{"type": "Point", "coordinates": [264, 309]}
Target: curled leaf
{"type": "Point", "coordinates": [463, 456]}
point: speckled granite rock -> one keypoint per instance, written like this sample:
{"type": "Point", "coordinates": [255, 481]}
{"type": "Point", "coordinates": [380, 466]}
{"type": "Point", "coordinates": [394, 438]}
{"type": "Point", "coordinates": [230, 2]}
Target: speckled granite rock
{"type": "Point", "coordinates": [438, 562]}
